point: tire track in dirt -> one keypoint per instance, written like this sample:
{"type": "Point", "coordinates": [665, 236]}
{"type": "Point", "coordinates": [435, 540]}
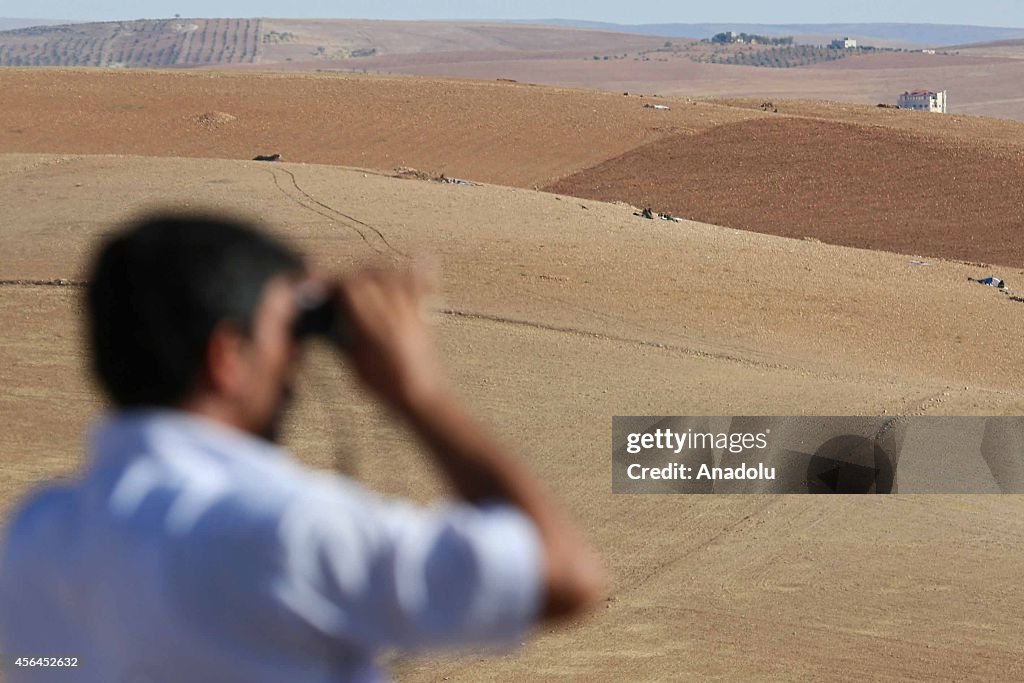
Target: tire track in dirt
{"type": "Point", "coordinates": [320, 212]}
{"type": "Point", "coordinates": [673, 336]}
{"type": "Point", "coordinates": [709, 541]}
{"type": "Point", "coordinates": [678, 348]}
{"type": "Point", "coordinates": [342, 214]}
{"type": "Point", "coordinates": [669, 563]}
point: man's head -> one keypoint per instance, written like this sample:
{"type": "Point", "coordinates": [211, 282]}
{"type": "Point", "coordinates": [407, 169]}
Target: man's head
{"type": "Point", "coordinates": [195, 312]}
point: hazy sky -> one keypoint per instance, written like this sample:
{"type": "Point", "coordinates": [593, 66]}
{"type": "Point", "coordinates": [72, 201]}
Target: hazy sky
{"type": "Point", "coordinates": [978, 12]}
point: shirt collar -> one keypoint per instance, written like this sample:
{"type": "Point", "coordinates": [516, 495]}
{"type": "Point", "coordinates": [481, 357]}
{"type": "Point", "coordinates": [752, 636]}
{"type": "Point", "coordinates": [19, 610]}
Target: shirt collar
{"type": "Point", "coordinates": [124, 433]}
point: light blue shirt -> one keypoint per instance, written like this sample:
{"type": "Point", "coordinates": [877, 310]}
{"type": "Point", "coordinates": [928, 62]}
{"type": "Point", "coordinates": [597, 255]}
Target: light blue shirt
{"type": "Point", "coordinates": [188, 551]}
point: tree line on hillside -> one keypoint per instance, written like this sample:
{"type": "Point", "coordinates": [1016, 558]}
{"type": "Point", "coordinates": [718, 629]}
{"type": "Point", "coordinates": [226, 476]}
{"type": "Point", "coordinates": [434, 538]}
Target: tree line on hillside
{"type": "Point", "coordinates": [780, 57]}
{"type": "Point", "coordinates": [750, 38]}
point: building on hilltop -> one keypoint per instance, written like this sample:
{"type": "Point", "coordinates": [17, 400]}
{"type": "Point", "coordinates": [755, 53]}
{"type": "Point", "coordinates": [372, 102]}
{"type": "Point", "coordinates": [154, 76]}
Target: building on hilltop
{"type": "Point", "coordinates": [924, 100]}
{"type": "Point", "coordinates": [844, 44]}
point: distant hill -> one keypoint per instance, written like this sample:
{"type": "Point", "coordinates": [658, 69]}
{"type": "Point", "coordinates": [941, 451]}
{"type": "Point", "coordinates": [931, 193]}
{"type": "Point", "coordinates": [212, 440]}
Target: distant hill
{"type": "Point", "coordinates": [914, 34]}
{"type": "Point", "coordinates": [143, 43]}
{"type": "Point", "coordinates": [306, 44]}
{"type": "Point", "coordinates": [8, 24]}
{"type": "Point", "coordinates": [362, 44]}
{"type": "Point", "coordinates": [1000, 49]}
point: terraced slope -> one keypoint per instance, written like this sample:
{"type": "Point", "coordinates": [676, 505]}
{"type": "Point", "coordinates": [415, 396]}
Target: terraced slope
{"type": "Point", "coordinates": [144, 43]}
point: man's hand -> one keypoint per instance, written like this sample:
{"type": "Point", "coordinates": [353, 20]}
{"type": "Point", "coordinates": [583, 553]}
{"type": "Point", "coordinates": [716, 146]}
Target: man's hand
{"type": "Point", "coordinates": [393, 351]}
{"type": "Point", "coordinates": [392, 345]}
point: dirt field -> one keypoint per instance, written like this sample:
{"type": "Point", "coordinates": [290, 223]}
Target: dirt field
{"type": "Point", "coordinates": [919, 184]}
{"type": "Point", "coordinates": [982, 82]}
{"type": "Point", "coordinates": [983, 79]}
{"type": "Point", "coordinates": [559, 313]}
{"type": "Point", "coordinates": [841, 183]}
{"type": "Point", "coordinates": [494, 132]}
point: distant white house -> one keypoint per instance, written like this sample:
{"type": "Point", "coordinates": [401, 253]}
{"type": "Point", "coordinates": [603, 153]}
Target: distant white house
{"type": "Point", "coordinates": [924, 100]}
{"type": "Point", "coordinates": [844, 44]}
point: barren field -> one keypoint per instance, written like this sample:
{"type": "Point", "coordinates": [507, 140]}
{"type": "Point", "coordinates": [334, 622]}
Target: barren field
{"type": "Point", "coordinates": [557, 314]}
{"type": "Point", "coordinates": [356, 44]}
{"type": "Point", "coordinates": [927, 185]}
{"type": "Point", "coordinates": [1005, 49]}
{"type": "Point", "coordinates": [838, 182]}
{"type": "Point", "coordinates": [983, 79]}
{"type": "Point", "coordinates": [494, 132]}
{"type": "Point", "coordinates": [560, 312]}
{"type": "Point", "coordinates": [984, 86]}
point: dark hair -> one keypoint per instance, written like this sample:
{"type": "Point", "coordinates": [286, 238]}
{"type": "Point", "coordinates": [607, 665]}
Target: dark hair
{"type": "Point", "coordinates": [157, 291]}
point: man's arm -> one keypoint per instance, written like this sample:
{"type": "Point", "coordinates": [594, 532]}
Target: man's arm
{"type": "Point", "coordinates": [393, 352]}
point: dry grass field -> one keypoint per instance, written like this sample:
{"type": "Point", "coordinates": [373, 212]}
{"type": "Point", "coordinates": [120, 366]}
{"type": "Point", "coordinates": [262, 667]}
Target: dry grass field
{"type": "Point", "coordinates": [556, 317]}
{"type": "Point", "coordinates": [1004, 49]}
{"type": "Point", "coordinates": [559, 312]}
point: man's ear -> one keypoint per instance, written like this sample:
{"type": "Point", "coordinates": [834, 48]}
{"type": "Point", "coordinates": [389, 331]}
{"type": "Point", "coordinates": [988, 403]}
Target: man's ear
{"type": "Point", "coordinates": [224, 352]}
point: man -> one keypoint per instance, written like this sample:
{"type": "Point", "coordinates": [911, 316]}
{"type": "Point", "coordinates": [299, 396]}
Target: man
{"type": "Point", "coordinates": [192, 549]}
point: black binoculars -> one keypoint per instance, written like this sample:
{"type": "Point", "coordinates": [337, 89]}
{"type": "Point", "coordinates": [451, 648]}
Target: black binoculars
{"type": "Point", "coordinates": [321, 316]}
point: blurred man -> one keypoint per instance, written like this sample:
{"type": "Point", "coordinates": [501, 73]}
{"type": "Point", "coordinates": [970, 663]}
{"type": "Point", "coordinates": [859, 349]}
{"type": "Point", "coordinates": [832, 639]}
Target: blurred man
{"type": "Point", "coordinates": [191, 548]}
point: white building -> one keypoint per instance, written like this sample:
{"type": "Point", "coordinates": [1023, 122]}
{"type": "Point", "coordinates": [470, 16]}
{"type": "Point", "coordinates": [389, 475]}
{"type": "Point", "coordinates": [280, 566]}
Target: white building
{"type": "Point", "coordinates": [924, 100]}
{"type": "Point", "coordinates": [843, 44]}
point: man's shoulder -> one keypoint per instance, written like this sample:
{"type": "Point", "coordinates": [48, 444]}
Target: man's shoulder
{"type": "Point", "coordinates": [42, 507]}
{"type": "Point", "coordinates": [42, 519]}
{"type": "Point", "coordinates": [170, 467]}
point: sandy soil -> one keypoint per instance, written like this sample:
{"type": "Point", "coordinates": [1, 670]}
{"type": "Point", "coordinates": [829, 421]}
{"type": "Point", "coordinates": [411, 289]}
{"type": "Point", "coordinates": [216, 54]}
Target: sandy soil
{"type": "Point", "coordinates": [559, 313]}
